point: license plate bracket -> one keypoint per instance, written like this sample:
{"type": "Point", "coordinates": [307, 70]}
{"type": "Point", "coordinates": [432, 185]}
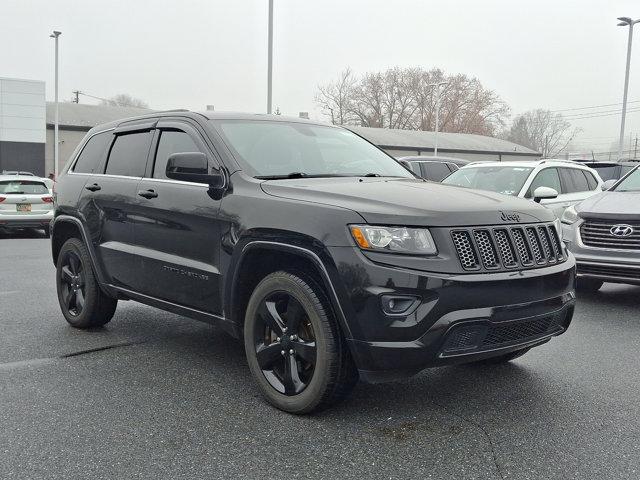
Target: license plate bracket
{"type": "Point", "coordinates": [23, 207]}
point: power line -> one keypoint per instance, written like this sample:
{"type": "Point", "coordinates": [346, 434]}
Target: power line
{"type": "Point", "coordinates": [593, 106]}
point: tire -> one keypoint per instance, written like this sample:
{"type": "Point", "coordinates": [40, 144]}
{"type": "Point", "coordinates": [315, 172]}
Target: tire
{"type": "Point", "coordinates": [83, 303]}
{"type": "Point", "coordinates": [589, 285]}
{"type": "Point", "coordinates": [507, 357]}
{"type": "Point", "coordinates": [283, 303]}
{"type": "Point", "coordinates": [47, 231]}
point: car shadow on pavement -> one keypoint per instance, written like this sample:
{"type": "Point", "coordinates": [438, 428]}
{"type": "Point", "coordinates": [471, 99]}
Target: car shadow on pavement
{"type": "Point", "coordinates": [23, 233]}
{"type": "Point", "coordinates": [613, 294]}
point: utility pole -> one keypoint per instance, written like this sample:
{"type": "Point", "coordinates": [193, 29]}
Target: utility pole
{"type": "Point", "coordinates": [635, 148]}
{"type": "Point", "coordinates": [77, 95]}
{"type": "Point", "coordinates": [270, 58]}
{"type": "Point", "coordinates": [435, 140]}
{"type": "Point", "coordinates": [625, 21]}
{"type": "Point", "coordinates": [55, 36]}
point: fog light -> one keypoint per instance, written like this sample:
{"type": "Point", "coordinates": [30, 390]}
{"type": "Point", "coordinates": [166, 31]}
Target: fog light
{"type": "Point", "coordinates": [399, 304]}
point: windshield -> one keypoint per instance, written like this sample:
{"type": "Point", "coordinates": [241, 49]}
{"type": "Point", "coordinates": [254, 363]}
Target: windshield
{"type": "Point", "coordinates": [607, 172]}
{"type": "Point", "coordinates": [279, 149]}
{"type": "Point", "coordinates": [631, 183]}
{"type": "Point", "coordinates": [22, 187]}
{"type": "Point", "coordinates": [506, 180]}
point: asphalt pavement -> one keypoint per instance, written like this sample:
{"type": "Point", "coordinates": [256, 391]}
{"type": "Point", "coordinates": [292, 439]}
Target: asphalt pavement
{"type": "Point", "coordinates": [155, 395]}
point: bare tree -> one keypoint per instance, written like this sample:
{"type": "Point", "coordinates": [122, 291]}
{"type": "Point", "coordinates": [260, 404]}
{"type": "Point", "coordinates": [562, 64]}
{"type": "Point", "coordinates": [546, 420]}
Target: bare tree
{"type": "Point", "coordinates": [405, 98]}
{"type": "Point", "coordinates": [543, 131]}
{"type": "Point", "coordinates": [125, 100]}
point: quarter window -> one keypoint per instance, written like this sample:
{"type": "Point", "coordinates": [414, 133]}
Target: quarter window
{"type": "Point", "coordinates": [128, 155]}
{"type": "Point", "coordinates": [92, 153]}
{"type": "Point", "coordinates": [171, 141]}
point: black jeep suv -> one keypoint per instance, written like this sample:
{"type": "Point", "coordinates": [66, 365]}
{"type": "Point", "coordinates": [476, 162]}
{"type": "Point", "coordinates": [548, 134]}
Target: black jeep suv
{"type": "Point", "coordinates": [331, 260]}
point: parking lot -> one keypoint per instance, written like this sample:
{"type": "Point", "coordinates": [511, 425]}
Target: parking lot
{"type": "Point", "coordinates": [155, 395]}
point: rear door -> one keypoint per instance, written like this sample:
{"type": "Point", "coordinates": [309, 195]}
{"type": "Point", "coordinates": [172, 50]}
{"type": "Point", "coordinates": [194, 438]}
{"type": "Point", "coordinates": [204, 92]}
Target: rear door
{"type": "Point", "coordinates": [177, 228]}
{"type": "Point", "coordinates": [108, 201]}
{"type": "Point", "coordinates": [575, 185]}
{"type": "Point", "coordinates": [435, 171]}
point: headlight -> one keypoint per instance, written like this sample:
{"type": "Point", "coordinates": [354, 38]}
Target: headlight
{"type": "Point", "coordinates": [394, 239]}
{"type": "Point", "coordinates": [570, 215]}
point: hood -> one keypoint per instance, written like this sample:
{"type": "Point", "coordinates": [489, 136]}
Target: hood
{"type": "Point", "coordinates": [410, 201]}
{"type": "Point", "coordinates": [611, 205]}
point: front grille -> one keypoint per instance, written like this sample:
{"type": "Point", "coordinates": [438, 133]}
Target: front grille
{"type": "Point", "coordinates": [479, 337]}
{"type": "Point", "coordinates": [628, 273]}
{"type": "Point", "coordinates": [597, 233]}
{"type": "Point", "coordinates": [496, 248]}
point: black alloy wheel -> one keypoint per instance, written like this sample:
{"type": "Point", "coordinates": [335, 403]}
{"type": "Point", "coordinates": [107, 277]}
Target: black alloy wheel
{"type": "Point", "coordinates": [72, 283]}
{"type": "Point", "coordinates": [82, 301]}
{"type": "Point", "coordinates": [295, 349]}
{"type": "Point", "coordinates": [285, 343]}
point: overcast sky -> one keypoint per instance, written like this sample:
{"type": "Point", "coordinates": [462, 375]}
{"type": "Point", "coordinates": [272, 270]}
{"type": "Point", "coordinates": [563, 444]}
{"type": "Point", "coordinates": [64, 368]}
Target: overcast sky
{"type": "Point", "coordinates": [553, 54]}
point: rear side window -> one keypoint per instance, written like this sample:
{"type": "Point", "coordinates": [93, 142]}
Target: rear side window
{"type": "Point", "coordinates": [574, 180]}
{"type": "Point", "coordinates": [435, 171]}
{"type": "Point", "coordinates": [92, 153]}
{"type": "Point", "coordinates": [545, 178]}
{"type": "Point", "coordinates": [23, 187]}
{"type": "Point", "coordinates": [128, 155]}
{"type": "Point", "coordinates": [591, 180]}
{"type": "Point", "coordinates": [171, 141]}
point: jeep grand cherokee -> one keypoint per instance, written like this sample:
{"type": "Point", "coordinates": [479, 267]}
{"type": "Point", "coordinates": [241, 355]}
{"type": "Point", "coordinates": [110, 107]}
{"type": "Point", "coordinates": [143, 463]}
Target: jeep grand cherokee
{"type": "Point", "coordinates": [328, 258]}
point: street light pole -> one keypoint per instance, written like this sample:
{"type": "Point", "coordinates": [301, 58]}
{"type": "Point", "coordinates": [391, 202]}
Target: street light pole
{"type": "Point", "coordinates": [625, 21]}
{"type": "Point", "coordinates": [270, 58]}
{"type": "Point", "coordinates": [55, 36]}
{"type": "Point", "coordinates": [437, 86]}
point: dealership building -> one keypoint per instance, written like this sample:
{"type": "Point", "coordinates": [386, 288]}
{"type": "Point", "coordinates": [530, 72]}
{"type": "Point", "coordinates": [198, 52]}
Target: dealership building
{"type": "Point", "coordinates": [27, 132]}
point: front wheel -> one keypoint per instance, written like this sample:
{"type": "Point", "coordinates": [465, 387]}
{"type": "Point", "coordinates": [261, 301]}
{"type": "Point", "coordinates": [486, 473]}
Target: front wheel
{"type": "Point", "coordinates": [294, 347]}
{"type": "Point", "coordinates": [589, 285]}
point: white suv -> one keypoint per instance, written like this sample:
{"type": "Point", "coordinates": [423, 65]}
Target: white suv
{"type": "Point", "coordinates": [556, 184]}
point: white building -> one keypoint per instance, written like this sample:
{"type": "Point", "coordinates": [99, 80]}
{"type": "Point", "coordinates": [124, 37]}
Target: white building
{"type": "Point", "coordinates": [22, 125]}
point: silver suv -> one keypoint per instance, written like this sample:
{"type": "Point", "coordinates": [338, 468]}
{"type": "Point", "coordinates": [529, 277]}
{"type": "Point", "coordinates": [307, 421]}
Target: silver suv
{"type": "Point", "coordinates": [603, 232]}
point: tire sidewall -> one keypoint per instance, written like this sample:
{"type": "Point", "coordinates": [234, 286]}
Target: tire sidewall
{"type": "Point", "coordinates": [76, 246]}
{"type": "Point", "coordinates": [318, 315]}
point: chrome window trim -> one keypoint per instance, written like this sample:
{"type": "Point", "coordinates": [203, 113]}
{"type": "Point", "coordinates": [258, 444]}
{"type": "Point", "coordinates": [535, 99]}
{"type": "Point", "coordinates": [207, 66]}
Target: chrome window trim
{"type": "Point", "coordinates": [177, 182]}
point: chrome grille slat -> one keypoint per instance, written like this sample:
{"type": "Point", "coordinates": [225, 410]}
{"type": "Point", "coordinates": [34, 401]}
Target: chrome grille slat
{"type": "Point", "coordinates": [507, 247]}
{"type": "Point", "coordinates": [598, 234]}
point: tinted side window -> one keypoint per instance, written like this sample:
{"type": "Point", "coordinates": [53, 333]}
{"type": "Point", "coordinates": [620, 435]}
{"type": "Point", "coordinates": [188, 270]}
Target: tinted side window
{"type": "Point", "coordinates": [435, 171]}
{"type": "Point", "coordinates": [171, 141]}
{"type": "Point", "coordinates": [128, 155]}
{"type": "Point", "coordinates": [545, 178]}
{"type": "Point", "coordinates": [591, 180]}
{"type": "Point", "coordinates": [92, 153]}
{"type": "Point", "coordinates": [574, 180]}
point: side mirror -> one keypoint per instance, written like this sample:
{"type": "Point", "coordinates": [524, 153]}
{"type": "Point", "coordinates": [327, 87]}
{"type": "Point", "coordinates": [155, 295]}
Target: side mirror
{"type": "Point", "coordinates": [192, 167]}
{"type": "Point", "coordinates": [608, 184]}
{"type": "Point", "coordinates": [544, 193]}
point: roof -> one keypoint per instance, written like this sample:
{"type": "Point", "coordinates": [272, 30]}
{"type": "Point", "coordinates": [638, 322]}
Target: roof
{"type": "Point", "coordinates": [79, 116]}
{"type": "Point", "coordinates": [529, 163]}
{"type": "Point", "coordinates": [450, 142]}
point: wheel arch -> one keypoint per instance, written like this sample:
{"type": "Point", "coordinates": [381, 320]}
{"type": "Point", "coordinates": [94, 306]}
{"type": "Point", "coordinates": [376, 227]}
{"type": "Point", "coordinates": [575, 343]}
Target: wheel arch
{"type": "Point", "coordinates": [247, 273]}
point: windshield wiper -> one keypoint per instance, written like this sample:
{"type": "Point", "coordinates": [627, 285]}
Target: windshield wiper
{"type": "Point", "coordinates": [371, 175]}
{"type": "Point", "coordinates": [296, 175]}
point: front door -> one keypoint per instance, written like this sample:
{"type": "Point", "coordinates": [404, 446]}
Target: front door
{"type": "Point", "coordinates": [176, 226]}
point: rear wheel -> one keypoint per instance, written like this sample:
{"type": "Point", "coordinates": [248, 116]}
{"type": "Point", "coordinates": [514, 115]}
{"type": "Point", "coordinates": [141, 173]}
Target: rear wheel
{"type": "Point", "coordinates": [294, 348]}
{"type": "Point", "coordinates": [83, 303]}
{"type": "Point", "coordinates": [589, 285]}
{"type": "Point", "coordinates": [47, 231]}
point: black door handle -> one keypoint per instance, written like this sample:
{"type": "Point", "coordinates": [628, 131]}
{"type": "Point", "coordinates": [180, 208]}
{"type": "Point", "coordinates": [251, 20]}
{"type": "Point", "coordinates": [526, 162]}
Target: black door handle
{"type": "Point", "coordinates": [93, 188]}
{"type": "Point", "coordinates": [147, 193]}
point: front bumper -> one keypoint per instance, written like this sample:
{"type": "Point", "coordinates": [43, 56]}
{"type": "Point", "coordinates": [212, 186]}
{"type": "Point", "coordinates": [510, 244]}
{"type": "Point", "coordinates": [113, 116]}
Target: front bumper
{"type": "Point", "coordinates": [35, 220]}
{"type": "Point", "coordinates": [456, 319]}
{"type": "Point", "coordinates": [609, 265]}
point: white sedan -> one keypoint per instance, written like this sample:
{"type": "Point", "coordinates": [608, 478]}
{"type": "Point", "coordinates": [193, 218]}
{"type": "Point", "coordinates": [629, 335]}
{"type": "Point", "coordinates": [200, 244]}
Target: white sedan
{"type": "Point", "coordinates": [25, 202]}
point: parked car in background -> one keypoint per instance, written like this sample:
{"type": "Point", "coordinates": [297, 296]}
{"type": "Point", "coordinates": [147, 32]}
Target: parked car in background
{"type": "Point", "coordinates": [15, 172]}
{"type": "Point", "coordinates": [329, 260]}
{"type": "Point", "coordinates": [25, 202]}
{"type": "Point", "coordinates": [603, 232]}
{"type": "Point", "coordinates": [432, 168]}
{"type": "Point", "coordinates": [611, 170]}
{"type": "Point", "coordinates": [556, 184]}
